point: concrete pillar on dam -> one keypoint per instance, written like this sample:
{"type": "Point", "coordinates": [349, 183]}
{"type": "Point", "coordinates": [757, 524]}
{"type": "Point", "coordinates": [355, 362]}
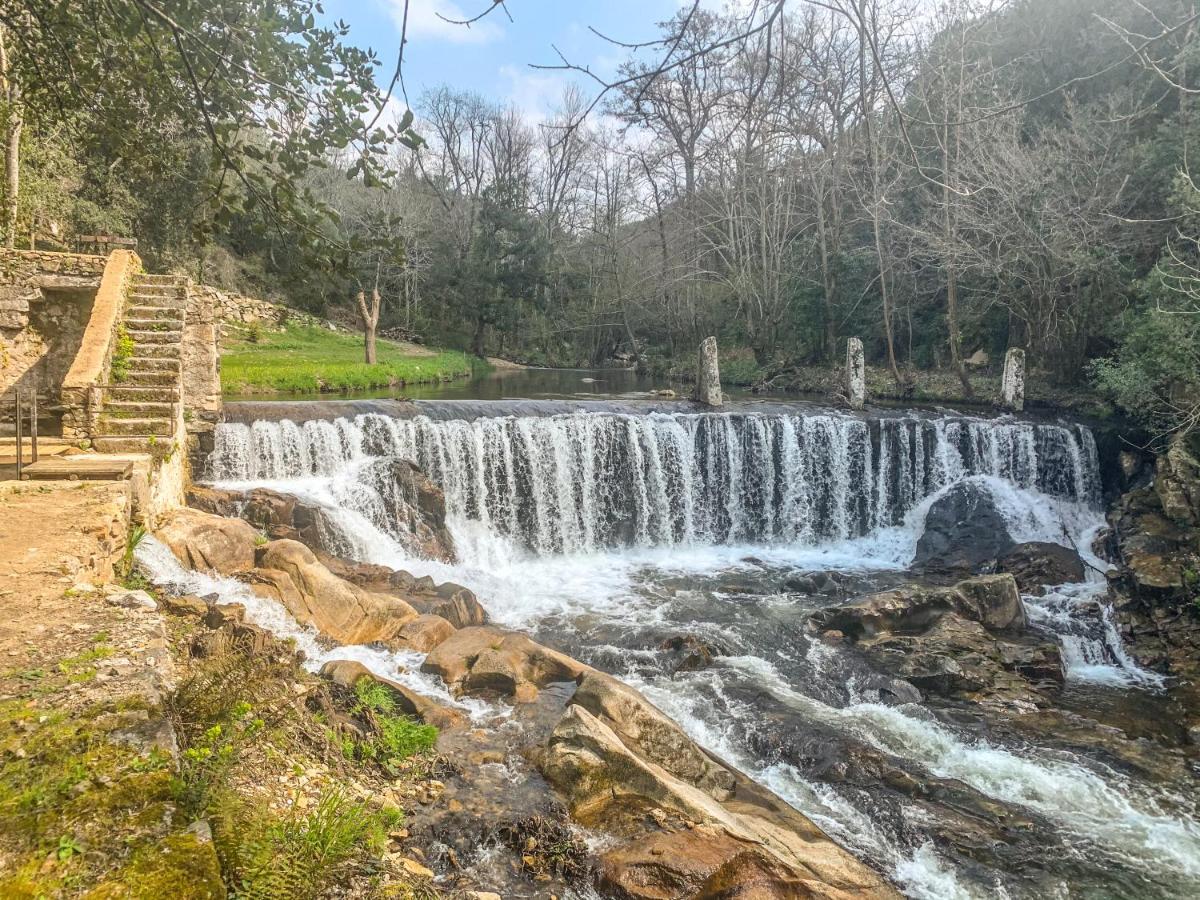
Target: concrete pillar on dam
{"type": "Point", "coordinates": [856, 374]}
{"type": "Point", "coordinates": [1012, 383]}
{"type": "Point", "coordinates": [708, 374]}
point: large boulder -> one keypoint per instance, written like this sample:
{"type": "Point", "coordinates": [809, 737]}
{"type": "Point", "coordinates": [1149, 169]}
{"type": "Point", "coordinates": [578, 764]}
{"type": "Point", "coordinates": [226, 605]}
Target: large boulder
{"type": "Point", "coordinates": [649, 732]}
{"type": "Point", "coordinates": [991, 600]}
{"type": "Point", "coordinates": [209, 543]}
{"type": "Point", "coordinates": [1177, 483]}
{"type": "Point", "coordinates": [453, 602]}
{"type": "Point", "coordinates": [602, 780]}
{"type": "Point", "coordinates": [702, 862]}
{"type": "Point", "coordinates": [1039, 564]}
{"type": "Point", "coordinates": [964, 530]}
{"type": "Point", "coordinates": [967, 640]}
{"type": "Point", "coordinates": [484, 658]}
{"type": "Point", "coordinates": [290, 573]}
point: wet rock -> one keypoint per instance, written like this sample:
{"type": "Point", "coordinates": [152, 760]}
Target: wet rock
{"type": "Point", "coordinates": [1038, 563]}
{"type": "Point", "coordinates": [290, 573]}
{"type": "Point", "coordinates": [209, 543]}
{"type": "Point", "coordinates": [650, 733]}
{"type": "Point", "coordinates": [453, 602]}
{"type": "Point", "coordinates": [700, 863]}
{"type": "Point", "coordinates": [425, 632]}
{"type": "Point", "coordinates": [964, 641]}
{"type": "Point", "coordinates": [991, 600]}
{"type": "Point", "coordinates": [964, 529]}
{"type": "Point", "coordinates": [348, 673]}
{"type": "Point", "coordinates": [605, 783]}
{"type": "Point", "coordinates": [415, 507]}
{"type": "Point", "coordinates": [690, 653]}
{"type": "Point", "coordinates": [485, 658]}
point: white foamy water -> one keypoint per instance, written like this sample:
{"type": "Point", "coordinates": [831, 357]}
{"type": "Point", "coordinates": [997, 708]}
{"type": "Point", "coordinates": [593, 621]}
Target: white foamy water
{"type": "Point", "coordinates": [161, 566]}
{"type": "Point", "coordinates": [574, 519]}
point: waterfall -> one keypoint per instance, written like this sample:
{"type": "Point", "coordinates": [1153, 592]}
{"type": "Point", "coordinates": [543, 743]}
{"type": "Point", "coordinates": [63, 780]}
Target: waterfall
{"type": "Point", "coordinates": [586, 481]}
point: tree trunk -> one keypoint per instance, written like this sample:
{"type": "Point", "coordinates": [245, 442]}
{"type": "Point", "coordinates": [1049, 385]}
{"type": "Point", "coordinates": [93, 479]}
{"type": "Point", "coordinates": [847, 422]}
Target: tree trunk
{"type": "Point", "coordinates": [370, 320]}
{"type": "Point", "coordinates": [13, 123]}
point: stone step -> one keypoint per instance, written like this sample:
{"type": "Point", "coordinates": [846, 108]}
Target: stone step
{"type": "Point", "coordinates": [172, 301]}
{"type": "Point", "coordinates": [151, 336]}
{"type": "Point", "coordinates": [134, 393]}
{"type": "Point", "coordinates": [159, 324]}
{"type": "Point", "coordinates": [151, 278]}
{"type": "Point", "coordinates": [142, 379]}
{"type": "Point", "coordinates": [159, 290]}
{"type": "Point", "coordinates": [157, 351]}
{"type": "Point", "coordinates": [152, 313]}
{"type": "Point", "coordinates": [139, 409]}
{"type": "Point", "coordinates": [154, 364]}
{"type": "Point", "coordinates": [160, 427]}
{"type": "Point", "coordinates": [152, 444]}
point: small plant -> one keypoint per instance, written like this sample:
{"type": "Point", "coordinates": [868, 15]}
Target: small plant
{"type": "Point", "coordinates": [299, 855]}
{"type": "Point", "coordinates": [253, 333]}
{"type": "Point", "coordinates": [67, 847]}
{"type": "Point", "coordinates": [136, 534]}
{"type": "Point", "coordinates": [122, 354]}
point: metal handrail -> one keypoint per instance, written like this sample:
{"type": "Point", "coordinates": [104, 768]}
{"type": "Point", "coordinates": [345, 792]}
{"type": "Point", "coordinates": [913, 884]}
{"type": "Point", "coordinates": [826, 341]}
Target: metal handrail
{"type": "Point", "coordinates": [33, 429]}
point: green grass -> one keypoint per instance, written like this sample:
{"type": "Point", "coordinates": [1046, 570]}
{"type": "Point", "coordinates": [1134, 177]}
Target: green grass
{"type": "Point", "coordinates": [304, 359]}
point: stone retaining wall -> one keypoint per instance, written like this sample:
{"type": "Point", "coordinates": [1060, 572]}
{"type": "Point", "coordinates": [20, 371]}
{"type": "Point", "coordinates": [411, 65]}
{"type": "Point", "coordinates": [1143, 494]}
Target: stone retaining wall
{"type": "Point", "coordinates": [23, 273]}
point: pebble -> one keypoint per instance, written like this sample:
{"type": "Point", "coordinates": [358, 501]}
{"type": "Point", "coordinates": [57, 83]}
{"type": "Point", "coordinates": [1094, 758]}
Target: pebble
{"type": "Point", "coordinates": [412, 867]}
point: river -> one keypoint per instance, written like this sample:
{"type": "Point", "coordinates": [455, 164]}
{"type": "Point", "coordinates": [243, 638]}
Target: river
{"type": "Point", "coordinates": [609, 530]}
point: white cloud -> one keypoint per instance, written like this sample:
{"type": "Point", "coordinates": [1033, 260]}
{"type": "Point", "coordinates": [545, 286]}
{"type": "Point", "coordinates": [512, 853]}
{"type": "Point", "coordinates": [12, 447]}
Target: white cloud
{"type": "Point", "coordinates": [532, 92]}
{"type": "Point", "coordinates": [425, 21]}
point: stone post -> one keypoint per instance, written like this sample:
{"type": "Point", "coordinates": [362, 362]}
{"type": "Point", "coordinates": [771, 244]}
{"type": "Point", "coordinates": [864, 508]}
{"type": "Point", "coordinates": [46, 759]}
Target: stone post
{"type": "Point", "coordinates": [856, 374]}
{"type": "Point", "coordinates": [708, 374]}
{"type": "Point", "coordinates": [1012, 385]}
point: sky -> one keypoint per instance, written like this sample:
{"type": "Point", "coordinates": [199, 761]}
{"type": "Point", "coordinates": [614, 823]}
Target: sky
{"type": "Point", "coordinates": [492, 57]}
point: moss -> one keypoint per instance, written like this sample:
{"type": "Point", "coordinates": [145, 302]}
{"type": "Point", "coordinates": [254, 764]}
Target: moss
{"type": "Point", "coordinates": [179, 866]}
{"type": "Point", "coordinates": [75, 801]}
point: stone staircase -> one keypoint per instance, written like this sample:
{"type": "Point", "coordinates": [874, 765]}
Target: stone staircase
{"type": "Point", "coordinates": [140, 410]}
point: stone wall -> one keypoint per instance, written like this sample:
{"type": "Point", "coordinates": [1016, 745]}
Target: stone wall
{"type": "Point", "coordinates": [239, 309]}
{"type": "Point", "coordinates": [24, 274]}
{"type": "Point", "coordinates": [45, 301]}
{"type": "Point", "coordinates": [201, 358]}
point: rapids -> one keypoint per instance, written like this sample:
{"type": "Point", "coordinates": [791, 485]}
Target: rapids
{"type": "Point", "coordinates": [604, 534]}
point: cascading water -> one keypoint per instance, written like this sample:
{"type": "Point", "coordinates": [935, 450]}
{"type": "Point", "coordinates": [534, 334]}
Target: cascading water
{"type": "Point", "coordinates": [605, 533]}
{"type": "Point", "coordinates": [582, 483]}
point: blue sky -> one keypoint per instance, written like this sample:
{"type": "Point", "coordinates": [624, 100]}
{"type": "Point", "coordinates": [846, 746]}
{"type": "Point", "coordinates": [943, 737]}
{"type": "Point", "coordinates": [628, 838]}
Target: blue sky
{"type": "Point", "coordinates": [493, 56]}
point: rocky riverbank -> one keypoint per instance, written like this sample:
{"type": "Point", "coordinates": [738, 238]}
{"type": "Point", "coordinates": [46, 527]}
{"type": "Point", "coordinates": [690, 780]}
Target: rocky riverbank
{"type": "Point", "coordinates": [568, 747]}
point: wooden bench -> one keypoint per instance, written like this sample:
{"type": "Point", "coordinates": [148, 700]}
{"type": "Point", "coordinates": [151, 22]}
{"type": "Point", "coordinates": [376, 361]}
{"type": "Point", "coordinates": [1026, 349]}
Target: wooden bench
{"type": "Point", "coordinates": [77, 468]}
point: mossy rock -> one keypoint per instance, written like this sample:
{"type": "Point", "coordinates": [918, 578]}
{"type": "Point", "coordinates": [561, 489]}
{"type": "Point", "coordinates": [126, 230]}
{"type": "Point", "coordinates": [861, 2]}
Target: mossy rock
{"type": "Point", "coordinates": [180, 866]}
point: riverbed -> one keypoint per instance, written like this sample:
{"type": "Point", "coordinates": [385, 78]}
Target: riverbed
{"type": "Point", "coordinates": [616, 534]}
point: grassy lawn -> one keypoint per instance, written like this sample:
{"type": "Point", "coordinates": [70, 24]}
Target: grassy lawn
{"type": "Point", "coordinates": [303, 359]}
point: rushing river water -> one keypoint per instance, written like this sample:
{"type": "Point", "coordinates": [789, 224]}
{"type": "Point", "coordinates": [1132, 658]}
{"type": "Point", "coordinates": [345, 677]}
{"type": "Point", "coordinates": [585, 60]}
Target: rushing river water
{"type": "Point", "coordinates": [605, 534]}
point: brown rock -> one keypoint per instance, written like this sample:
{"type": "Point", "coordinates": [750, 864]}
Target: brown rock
{"type": "Point", "coordinates": [425, 632]}
{"type": "Point", "coordinates": [650, 733]}
{"type": "Point", "coordinates": [1037, 563]}
{"type": "Point", "coordinates": [186, 605]}
{"type": "Point", "coordinates": [488, 658]}
{"type": "Point", "coordinates": [697, 863]}
{"type": "Point", "coordinates": [314, 595]}
{"type": "Point", "coordinates": [208, 543]}
{"type": "Point", "coordinates": [599, 777]}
